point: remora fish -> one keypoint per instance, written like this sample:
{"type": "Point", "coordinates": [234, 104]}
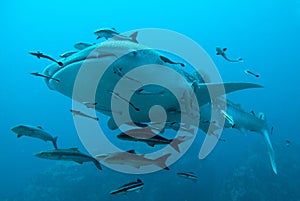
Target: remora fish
{"type": "Point", "coordinates": [36, 132]}
{"type": "Point", "coordinates": [188, 175]}
{"type": "Point", "coordinates": [148, 136]}
{"type": "Point", "coordinates": [132, 186]}
{"type": "Point", "coordinates": [251, 73]}
{"type": "Point", "coordinates": [132, 159]}
{"type": "Point", "coordinates": [82, 45]}
{"type": "Point", "coordinates": [221, 51]}
{"type": "Point", "coordinates": [76, 112]}
{"type": "Point", "coordinates": [41, 55]}
{"type": "Point", "coordinates": [71, 154]}
{"type": "Point", "coordinates": [67, 54]}
{"type": "Point", "coordinates": [44, 76]}
{"type": "Point", "coordinates": [114, 34]}
{"type": "Point", "coordinates": [106, 33]}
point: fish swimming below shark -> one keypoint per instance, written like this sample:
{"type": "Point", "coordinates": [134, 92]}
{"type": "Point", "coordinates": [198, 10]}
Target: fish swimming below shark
{"type": "Point", "coordinates": [147, 136]}
{"type": "Point", "coordinates": [129, 187]}
{"type": "Point", "coordinates": [132, 159]}
{"type": "Point", "coordinates": [71, 154]}
{"type": "Point", "coordinates": [35, 132]}
{"type": "Point", "coordinates": [188, 175]}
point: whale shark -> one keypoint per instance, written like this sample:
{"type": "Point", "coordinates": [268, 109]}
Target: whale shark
{"type": "Point", "coordinates": [115, 60]}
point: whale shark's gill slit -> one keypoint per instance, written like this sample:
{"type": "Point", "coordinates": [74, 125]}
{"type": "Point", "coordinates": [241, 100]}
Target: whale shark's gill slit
{"type": "Point", "coordinates": [124, 99]}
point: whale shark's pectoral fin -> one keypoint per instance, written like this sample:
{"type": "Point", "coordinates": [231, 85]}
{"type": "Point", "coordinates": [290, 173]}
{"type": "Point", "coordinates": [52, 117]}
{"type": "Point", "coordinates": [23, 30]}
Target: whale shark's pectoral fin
{"type": "Point", "coordinates": [270, 150]}
{"type": "Point", "coordinates": [205, 92]}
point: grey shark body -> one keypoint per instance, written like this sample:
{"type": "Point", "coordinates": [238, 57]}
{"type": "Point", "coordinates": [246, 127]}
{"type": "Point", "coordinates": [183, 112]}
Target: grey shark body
{"type": "Point", "coordinates": [72, 154]}
{"type": "Point", "coordinates": [132, 159]}
{"type": "Point", "coordinates": [35, 132]}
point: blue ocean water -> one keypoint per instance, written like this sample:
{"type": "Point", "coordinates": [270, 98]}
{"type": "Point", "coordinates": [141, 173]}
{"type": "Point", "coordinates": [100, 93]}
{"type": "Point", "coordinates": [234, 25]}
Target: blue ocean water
{"type": "Point", "coordinates": [266, 33]}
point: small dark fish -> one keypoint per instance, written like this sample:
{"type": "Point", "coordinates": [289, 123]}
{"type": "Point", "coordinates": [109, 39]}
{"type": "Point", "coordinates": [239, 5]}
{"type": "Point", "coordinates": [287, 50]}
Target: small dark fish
{"type": "Point", "coordinates": [132, 186]}
{"type": "Point", "coordinates": [44, 76]}
{"type": "Point", "coordinates": [221, 51]}
{"type": "Point", "coordinates": [188, 175]}
{"type": "Point", "coordinates": [251, 73]}
{"type": "Point", "coordinates": [287, 143]}
{"type": "Point", "coordinates": [41, 55]}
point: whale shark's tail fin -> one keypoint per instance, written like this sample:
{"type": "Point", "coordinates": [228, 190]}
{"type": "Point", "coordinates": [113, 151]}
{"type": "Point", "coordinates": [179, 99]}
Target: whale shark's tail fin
{"type": "Point", "coordinates": [270, 150]}
{"type": "Point", "coordinates": [271, 153]}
